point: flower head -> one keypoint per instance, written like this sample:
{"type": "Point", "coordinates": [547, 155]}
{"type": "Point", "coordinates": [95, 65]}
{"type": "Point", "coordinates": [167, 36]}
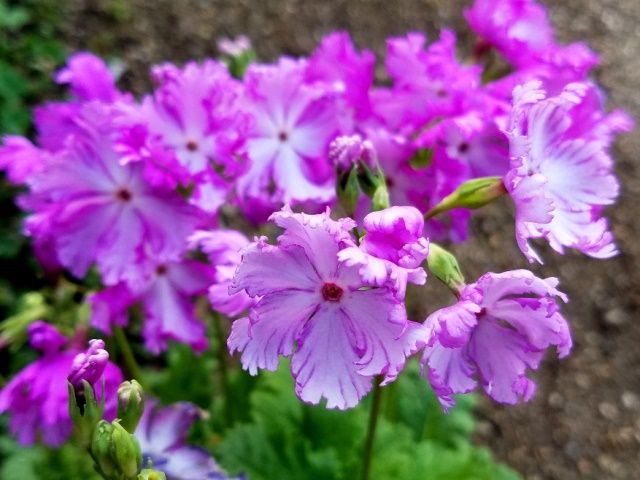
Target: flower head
{"type": "Point", "coordinates": [561, 173]}
{"type": "Point", "coordinates": [37, 398]}
{"type": "Point", "coordinates": [499, 329]}
{"type": "Point", "coordinates": [162, 435]}
{"type": "Point", "coordinates": [338, 330]}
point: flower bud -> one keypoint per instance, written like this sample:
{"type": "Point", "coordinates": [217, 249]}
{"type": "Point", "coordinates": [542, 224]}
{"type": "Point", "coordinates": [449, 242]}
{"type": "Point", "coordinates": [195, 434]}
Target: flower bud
{"type": "Point", "coordinates": [445, 267]}
{"type": "Point", "coordinates": [237, 53]}
{"type": "Point", "coordinates": [149, 474]}
{"type": "Point", "coordinates": [130, 404]}
{"type": "Point", "coordinates": [116, 452]}
{"type": "Point", "coordinates": [90, 365]}
{"type": "Point", "coordinates": [125, 451]}
{"type": "Point", "coordinates": [474, 193]}
{"type": "Point", "coordinates": [347, 151]}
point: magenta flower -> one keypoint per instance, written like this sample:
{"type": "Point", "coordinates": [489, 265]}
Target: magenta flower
{"type": "Point", "coordinates": [162, 435]}
{"type": "Point", "coordinates": [166, 295]}
{"type": "Point", "coordinates": [95, 210]}
{"type": "Point", "coordinates": [223, 248]}
{"type": "Point", "coordinates": [339, 332]}
{"type": "Point", "coordinates": [428, 83]}
{"type": "Point", "coordinates": [337, 62]}
{"type": "Point", "coordinates": [519, 29]}
{"type": "Point", "coordinates": [89, 366]}
{"type": "Point", "coordinates": [193, 118]}
{"type": "Point", "coordinates": [89, 78]}
{"type": "Point", "coordinates": [392, 251]}
{"type": "Point", "coordinates": [500, 328]}
{"type": "Point", "coordinates": [294, 121]}
{"type": "Point", "coordinates": [561, 173]}
{"type": "Point", "coordinates": [37, 398]}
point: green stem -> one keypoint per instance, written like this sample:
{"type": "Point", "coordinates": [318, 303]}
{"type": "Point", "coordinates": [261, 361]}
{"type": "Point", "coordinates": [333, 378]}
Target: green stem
{"type": "Point", "coordinates": [374, 414]}
{"type": "Point", "coordinates": [129, 359]}
{"type": "Point", "coordinates": [224, 367]}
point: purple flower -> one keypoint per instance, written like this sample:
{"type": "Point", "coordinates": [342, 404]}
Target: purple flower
{"type": "Point", "coordinates": [223, 248]}
{"type": "Point", "coordinates": [339, 332]}
{"type": "Point", "coordinates": [561, 173]}
{"type": "Point", "coordinates": [89, 78]}
{"type": "Point", "coordinates": [162, 435]}
{"type": "Point", "coordinates": [519, 29]}
{"type": "Point", "coordinates": [293, 124]}
{"type": "Point", "coordinates": [392, 251]}
{"type": "Point", "coordinates": [37, 397]}
{"type": "Point", "coordinates": [20, 159]}
{"type": "Point", "coordinates": [347, 150]}
{"type": "Point", "coordinates": [427, 83]}
{"type": "Point", "coordinates": [89, 366]}
{"type": "Point", "coordinates": [93, 209]}
{"type": "Point", "coordinates": [336, 61]}
{"type": "Point", "coordinates": [190, 128]}
{"type": "Point", "coordinates": [500, 328]}
{"type": "Point", "coordinates": [166, 295]}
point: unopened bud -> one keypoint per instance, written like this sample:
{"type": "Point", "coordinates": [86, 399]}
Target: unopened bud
{"type": "Point", "coordinates": [116, 452]}
{"type": "Point", "coordinates": [130, 404]}
{"type": "Point", "coordinates": [238, 54]}
{"type": "Point", "coordinates": [150, 474]}
{"type": "Point", "coordinates": [444, 266]}
{"type": "Point", "coordinates": [349, 150]}
{"type": "Point", "coordinates": [86, 369]}
{"type": "Point", "coordinates": [474, 193]}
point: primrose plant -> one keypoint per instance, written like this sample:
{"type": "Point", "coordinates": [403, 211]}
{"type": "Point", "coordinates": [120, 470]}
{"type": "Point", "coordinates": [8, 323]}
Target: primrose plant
{"type": "Point", "coordinates": [152, 204]}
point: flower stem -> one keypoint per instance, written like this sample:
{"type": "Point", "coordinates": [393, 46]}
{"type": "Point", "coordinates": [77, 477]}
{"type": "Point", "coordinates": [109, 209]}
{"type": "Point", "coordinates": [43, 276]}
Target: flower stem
{"type": "Point", "coordinates": [371, 428]}
{"type": "Point", "coordinates": [127, 354]}
{"type": "Point", "coordinates": [224, 368]}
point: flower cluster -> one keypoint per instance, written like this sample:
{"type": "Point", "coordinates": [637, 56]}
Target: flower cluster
{"type": "Point", "coordinates": [153, 195]}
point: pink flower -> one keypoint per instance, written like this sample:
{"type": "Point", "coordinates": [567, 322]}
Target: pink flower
{"type": "Point", "coordinates": [193, 121]}
{"type": "Point", "coordinates": [392, 251]}
{"type": "Point", "coordinates": [96, 210]}
{"type": "Point", "coordinates": [223, 248]}
{"type": "Point", "coordinates": [166, 295]}
{"type": "Point", "coordinates": [313, 308]}
{"type": "Point", "coordinates": [162, 435]}
{"type": "Point", "coordinates": [500, 328]}
{"type": "Point", "coordinates": [89, 78]}
{"type": "Point", "coordinates": [519, 29]}
{"type": "Point", "coordinates": [37, 398]}
{"type": "Point", "coordinates": [294, 122]}
{"type": "Point", "coordinates": [427, 83]}
{"type": "Point", "coordinates": [89, 366]}
{"type": "Point", "coordinates": [561, 173]}
{"type": "Point", "coordinates": [336, 61]}
{"type": "Point", "coordinates": [20, 159]}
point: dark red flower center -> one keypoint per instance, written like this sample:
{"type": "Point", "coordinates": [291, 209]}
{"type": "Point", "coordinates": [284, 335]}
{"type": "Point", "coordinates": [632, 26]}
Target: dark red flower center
{"type": "Point", "coordinates": [332, 292]}
{"type": "Point", "coordinates": [463, 147]}
{"type": "Point", "coordinates": [283, 136]}
{"type": "Point", "coordinates": [192, 145]}
{"type": "Point", "coordinates": [161, 269]}
{"type": "Point", "coordinates": [123, 194]}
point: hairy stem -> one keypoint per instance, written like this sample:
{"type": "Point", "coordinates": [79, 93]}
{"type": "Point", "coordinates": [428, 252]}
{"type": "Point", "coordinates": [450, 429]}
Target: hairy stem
{"type": "Point", "coordinates": [371, 428]}
{"type": "Point", "coordinates": [133, 369]}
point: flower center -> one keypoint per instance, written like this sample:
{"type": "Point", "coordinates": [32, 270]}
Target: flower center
{"type": "Point", "coordinates": [192, 145]}
{"type": "Point", "coordinates": [332, 292]}
{"type": "Point", "coordinates": [161, 269]}
{"type": "Point", "coordinates": [283, 136]}
{"type": "Point", "coordinates": [123, 194]}
{"type": "Point", "coordinates": [463, 148]}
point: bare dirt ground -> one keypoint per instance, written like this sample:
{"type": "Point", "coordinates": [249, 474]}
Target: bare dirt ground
{"type": "Point", "coordinates": [585, 420]}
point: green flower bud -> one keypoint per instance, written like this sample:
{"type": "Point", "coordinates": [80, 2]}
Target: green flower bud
{"type": "Point", "coordinates": [125, 451]}
{"type": "Point", "coordinates": [115, 451]}
{"type": "Point", "coordinates": [101, 450]}
{"type": "Point", "coordinates": [474, 193]}
{"type": "Point", "coordinates": [149, 474]}
{"type": "Point", "coordinates": [445, 267]}
{"type": "Point", "coordinates": [348, 191]}
{"type": "Point", "coordinates": [130, 404]}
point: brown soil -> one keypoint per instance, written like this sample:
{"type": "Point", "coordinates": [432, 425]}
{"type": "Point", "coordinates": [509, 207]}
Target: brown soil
{"type": "Point", "coordinates": [585, 420]}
